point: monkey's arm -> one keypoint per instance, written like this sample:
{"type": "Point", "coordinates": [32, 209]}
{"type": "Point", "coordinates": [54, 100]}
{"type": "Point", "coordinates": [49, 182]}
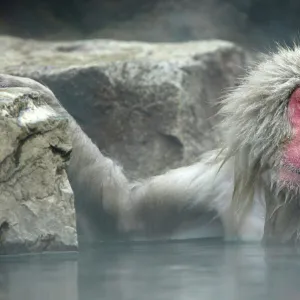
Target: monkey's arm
{"type": "Point", "coordinates": [163, 204]}
{"type": "Point", "coordinates": [157, 206]}
{"type": "Point", "coordinates": [199, 191]}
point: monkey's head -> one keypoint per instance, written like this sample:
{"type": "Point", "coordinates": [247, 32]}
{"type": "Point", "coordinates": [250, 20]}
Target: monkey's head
{"type": "Point", "coordinates": [262, 123]}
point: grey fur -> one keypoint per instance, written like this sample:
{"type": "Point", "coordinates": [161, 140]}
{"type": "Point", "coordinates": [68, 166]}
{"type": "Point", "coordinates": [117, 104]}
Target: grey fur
{"type": "Point", "coordinates": [257, 127]}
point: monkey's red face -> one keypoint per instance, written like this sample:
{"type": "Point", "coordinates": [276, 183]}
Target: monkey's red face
{"type": "Point", "coordinates": [290, 172]}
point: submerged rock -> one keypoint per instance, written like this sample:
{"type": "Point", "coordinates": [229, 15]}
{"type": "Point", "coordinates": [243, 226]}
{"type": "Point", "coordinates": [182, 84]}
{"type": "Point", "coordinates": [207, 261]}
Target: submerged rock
{"type": "Point", "coordinates": [150, 106]}
{"type": "Point", "coordinates": [36, 201]}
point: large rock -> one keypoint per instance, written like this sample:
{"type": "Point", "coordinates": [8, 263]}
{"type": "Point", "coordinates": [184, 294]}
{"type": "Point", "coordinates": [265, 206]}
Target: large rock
{"type": "Point", "coordinates": [151, 106]}
{"type": "Point", "coordinates": [36, 201]}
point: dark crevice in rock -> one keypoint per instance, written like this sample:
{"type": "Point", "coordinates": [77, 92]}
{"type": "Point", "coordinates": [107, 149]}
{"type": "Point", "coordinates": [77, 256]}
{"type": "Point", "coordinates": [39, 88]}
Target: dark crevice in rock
{"type": "Point", "coordinates": [172, 139]}
{"type": "Point", "coordinates": [16, 155]}
{"type": "Point", "coordinates": [4, 227]}
{"type": "Point", "coordinates": [61, 151]}
{"type": "Point", "coordinates": [18, 152]}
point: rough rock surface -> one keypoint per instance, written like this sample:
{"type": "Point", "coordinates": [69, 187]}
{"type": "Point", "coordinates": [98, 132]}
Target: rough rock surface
{"type": "Point", "coordinates": [36, 201]}
{"type": "Point", "coordinates": [150, 106]}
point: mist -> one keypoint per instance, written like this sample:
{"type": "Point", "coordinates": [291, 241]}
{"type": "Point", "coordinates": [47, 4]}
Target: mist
{"type": "Point", "coordinates": [251, 23]}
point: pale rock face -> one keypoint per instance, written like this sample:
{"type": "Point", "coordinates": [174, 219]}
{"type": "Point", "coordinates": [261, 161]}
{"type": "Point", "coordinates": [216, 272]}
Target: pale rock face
{"type": "Point", "coordinates": [36, 200]}
{"type": "Point", "coordinates": [150, 106]}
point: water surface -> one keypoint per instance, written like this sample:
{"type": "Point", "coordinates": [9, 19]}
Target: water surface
{"type": "Point", "coordinates": [207, 270]}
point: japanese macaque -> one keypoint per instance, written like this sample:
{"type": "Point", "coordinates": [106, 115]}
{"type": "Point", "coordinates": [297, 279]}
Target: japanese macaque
{"type": "Point", "coordinates": [232, 192]}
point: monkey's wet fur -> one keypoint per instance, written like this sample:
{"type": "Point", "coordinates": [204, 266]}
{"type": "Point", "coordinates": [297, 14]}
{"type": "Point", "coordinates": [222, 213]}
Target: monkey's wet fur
{"type": "Point", "coordinates": [246, 190]}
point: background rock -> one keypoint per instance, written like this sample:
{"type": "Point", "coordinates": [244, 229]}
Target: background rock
{"type": "Point", "coordinates": [150, 106]}
{"type": "Point", "coordinates": [36, 201]}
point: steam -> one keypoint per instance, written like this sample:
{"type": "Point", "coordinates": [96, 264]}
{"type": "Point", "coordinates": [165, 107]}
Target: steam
{"type": "Point", "coordinates": [253, 24]}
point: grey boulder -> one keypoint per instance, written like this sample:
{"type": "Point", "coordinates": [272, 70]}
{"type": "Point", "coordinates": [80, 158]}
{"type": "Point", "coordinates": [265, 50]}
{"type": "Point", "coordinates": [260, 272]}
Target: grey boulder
{"type": "Point", "coordinates": [36, 201]}
{"type": "Point", "coordinates": [150, 106]}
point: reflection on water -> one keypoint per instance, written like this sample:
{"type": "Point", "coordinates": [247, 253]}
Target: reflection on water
{"type": "Point", "coordinates": [187, 270]}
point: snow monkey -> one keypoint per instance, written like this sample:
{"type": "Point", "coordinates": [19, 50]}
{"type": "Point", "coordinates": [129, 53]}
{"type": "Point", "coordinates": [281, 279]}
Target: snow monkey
{"type": "Point", "coordinates": [231, 193]}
